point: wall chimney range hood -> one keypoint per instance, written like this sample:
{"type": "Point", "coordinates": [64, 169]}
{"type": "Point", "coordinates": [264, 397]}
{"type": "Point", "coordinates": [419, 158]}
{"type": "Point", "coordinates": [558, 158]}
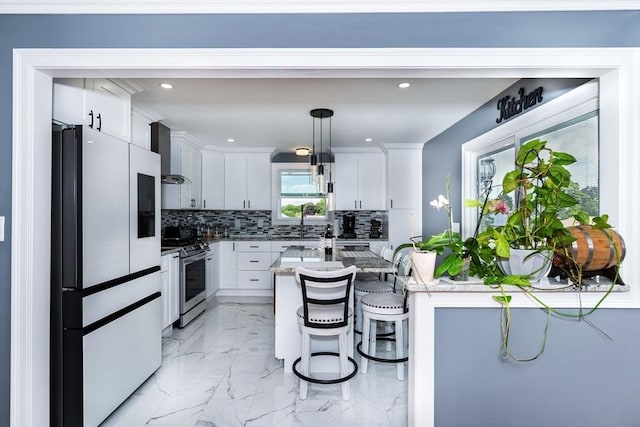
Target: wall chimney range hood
{"type": "Point", "coordinates": [161, 144]}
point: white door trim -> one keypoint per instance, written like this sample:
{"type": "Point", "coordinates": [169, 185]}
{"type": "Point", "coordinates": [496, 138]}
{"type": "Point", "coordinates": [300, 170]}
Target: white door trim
{"type": "Point", "coordinates": [308, 6]}
{"type": "Point", "coordinates": [32, 72]}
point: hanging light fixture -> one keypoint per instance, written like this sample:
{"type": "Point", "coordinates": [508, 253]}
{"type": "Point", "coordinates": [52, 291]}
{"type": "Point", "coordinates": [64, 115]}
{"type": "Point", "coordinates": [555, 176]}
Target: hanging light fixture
{"type": "Point", "coordinates": [317, 170]}
{"type": "Point", "coordinates": [330, 195]}
{"type": "Point", "coordinates": [313, 158]}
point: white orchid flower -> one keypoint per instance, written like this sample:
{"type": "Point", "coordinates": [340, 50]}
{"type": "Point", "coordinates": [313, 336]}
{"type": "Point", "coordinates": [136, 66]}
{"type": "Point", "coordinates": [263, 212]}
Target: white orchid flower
{"type": "Point", "coordinates": [440, 202]}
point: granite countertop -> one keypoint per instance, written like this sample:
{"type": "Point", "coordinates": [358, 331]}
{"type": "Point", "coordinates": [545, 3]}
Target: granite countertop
{"type": "Point", "coordinates": [444, 284]}
{"type": "Point", "coordinates": [169, 251]}
{"type": "Point", "coordinates": [269, 238]}
{"type": "Point", "coordinates": [365, 261]}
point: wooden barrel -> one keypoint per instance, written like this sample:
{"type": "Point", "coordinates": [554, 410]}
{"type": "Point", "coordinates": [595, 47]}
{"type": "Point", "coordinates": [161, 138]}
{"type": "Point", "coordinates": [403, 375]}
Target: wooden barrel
{"type": "Point", "coordinates": [595, 248]}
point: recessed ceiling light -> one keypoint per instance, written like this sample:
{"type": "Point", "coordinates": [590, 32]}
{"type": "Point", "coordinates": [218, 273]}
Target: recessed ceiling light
{"type": "Point", "coordinates": [404, 85]}
{"type": "Point", "coordinates": [368, 139]}
{"type": "Point", "coordinates": [231, 140]}
{"type": "Point", "coordinates": [166, 85]}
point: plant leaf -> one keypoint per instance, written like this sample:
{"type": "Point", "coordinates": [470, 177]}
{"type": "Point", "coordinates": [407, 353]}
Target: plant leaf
{"type": "Point", "coordinates": [502, 299]}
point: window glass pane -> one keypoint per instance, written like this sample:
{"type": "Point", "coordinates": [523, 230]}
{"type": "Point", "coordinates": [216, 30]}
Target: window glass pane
{"type": "Point", "coordinates": [578, 137]}
{"type": "Point", "coordinates": [491, 168]}
{"type": "Point", "coordinates": [298, 193]}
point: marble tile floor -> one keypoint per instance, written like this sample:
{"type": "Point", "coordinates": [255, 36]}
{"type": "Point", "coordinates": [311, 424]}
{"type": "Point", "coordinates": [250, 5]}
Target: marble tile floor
{"type": "Point", "coordinates": [219, 371]}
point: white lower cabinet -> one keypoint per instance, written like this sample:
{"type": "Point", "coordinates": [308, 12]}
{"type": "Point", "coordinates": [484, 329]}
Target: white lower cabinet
{"type": "Point", "coordinates": [212, 267]}
{"type": "Point", "coordinates": [228, 262]}
{"type": "Point", "coordinates": [253, 262]}
{"type": "Point", "coordinates": [170, 279]}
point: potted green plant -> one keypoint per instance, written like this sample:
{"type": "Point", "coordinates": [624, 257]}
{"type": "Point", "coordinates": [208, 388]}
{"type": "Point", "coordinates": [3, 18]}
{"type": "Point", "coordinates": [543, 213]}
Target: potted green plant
{"type": "Point", "coordinates": [534, 229]}
{"type": "Point", "coordinates": [456, 261]}
{"type": "Point", "coordinates": [541, 183]}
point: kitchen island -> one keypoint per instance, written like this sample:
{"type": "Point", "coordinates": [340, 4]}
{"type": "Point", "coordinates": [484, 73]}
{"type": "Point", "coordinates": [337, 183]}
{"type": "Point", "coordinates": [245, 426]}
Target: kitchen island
{"type": "Point", "coordinates": [288, 296]}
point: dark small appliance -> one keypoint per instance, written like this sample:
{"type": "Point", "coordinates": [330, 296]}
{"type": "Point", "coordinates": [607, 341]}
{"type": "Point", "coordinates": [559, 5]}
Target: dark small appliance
{"type": "Point", "coordinates": [348, 226]}
{"type": "Point", "coordinates": [375, 229]}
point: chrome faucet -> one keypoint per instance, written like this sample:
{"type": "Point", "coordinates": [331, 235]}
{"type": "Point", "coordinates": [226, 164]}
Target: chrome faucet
{"type": "Point", "coordinates": [302, 221]}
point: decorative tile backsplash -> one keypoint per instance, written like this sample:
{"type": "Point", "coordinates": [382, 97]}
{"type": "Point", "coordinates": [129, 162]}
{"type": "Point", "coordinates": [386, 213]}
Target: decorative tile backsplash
{"type": "Point", "coordinates": [258, 223]}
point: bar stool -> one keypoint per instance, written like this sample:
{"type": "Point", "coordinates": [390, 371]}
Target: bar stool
{"type": "Point", "coordinates": [325, 311]}
{"type": "Point", "coordinates": [389, 308]}
{"type": "Point", "coordinates": [364, 287]}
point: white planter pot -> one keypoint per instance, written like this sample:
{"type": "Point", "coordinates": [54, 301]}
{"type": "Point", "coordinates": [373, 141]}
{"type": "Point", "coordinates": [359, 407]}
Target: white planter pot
{"type": "Point", "coordinates": [527, 262]}
{"type": "Point", "coordinates": [423, 265]}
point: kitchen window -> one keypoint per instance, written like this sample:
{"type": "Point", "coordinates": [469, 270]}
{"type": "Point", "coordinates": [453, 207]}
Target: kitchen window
{"type": "Point", "coordinates": [296, 193]}
{"type": "Point", "coordinates": [570, 123]}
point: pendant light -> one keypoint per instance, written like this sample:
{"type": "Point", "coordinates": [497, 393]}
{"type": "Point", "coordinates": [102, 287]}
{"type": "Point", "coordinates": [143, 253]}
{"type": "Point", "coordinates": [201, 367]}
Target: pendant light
{"type": "Point", "coordinates": [313, 159]}
{"type": "Point", "coordinates": [330, 195]}
{"type": "Point", "coordinates": [322, 113]}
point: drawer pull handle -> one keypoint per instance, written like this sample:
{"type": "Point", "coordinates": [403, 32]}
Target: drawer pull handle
{"type": "Point", "coordinates": [254, 280]}
{"type": "Point", "coordinates": [254, 246]}
{"type": "Point", "coordinates": [253, 260]}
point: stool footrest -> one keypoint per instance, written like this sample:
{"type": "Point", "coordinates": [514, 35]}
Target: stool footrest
{"type": "Point", "coordinates": [381, 336]}
{"type": "Point", "coordinates": [379, 359]}
{"type": "Point", "coordinates": [319, 381]}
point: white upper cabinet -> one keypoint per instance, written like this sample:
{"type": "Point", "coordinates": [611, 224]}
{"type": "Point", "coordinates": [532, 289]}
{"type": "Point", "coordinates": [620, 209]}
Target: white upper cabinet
{"type": "Point", "coordinates": [360, 181]}
{"type": "Point", "coordinates": [140, 130]}
{"type": "Point", "coordinates": [404, 178]}
{"type": "Point", "coordinates": [191, 167]}
{"type": "Point", "coordinates": [186, 195]}
{"type": "Point", "coordinates": [212, 180]}
{"type": "Point", "coordinates": [247, 181]}
{"type": "Point", "coordinates": [97, 103]}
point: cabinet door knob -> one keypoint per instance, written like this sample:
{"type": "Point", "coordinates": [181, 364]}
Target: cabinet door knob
{"type": "Point", "coordinates": [204, 204]}
{"type": "Point", "coordinates": [391, 203]}
{"type": "Point", "coordinates": [248, 204]}
{"type": "Point", "coordinates": [91, 122]}
{"type": "Point", "coordinates": [99, 122]}
{"type": "Point", "coordinates": [360, 204]}
{"type": "Point", "coordinates": [355, 204]}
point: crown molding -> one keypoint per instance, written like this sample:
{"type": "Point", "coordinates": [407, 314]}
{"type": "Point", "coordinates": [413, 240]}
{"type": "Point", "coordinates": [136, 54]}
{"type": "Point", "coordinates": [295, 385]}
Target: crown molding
{"type": "Point", "coordinates": [307, 6]}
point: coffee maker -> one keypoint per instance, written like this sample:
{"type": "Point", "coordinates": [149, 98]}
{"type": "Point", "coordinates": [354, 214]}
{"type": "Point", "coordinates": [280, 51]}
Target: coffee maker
{"type": "Point", "coordinates": [348, 226]}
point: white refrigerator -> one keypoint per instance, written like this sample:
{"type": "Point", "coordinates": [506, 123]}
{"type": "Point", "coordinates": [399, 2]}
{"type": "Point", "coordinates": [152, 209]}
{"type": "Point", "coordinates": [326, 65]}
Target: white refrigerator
{"type": "Point", "coordinates": [105, 274]}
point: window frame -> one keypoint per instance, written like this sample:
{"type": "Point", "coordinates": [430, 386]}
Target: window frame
{"type": "Point", "coordinates": [276, 169]}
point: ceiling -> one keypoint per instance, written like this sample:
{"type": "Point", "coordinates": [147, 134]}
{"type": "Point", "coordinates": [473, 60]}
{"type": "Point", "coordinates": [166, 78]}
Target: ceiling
{"type": "Point", "coordinates": [274, 112]}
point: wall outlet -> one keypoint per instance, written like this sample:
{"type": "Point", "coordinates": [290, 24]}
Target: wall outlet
{"type": "Point", "coordinates": [236, 223]}
{"type": "Point", "coordinates": [260, 222]}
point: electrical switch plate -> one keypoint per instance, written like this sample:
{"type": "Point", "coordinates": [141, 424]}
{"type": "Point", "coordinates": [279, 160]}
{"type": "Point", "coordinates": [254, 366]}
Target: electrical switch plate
{"type": "Point", "coordinates": [1, 229]}
{"type": "Point", "coordinates": [456, 227]}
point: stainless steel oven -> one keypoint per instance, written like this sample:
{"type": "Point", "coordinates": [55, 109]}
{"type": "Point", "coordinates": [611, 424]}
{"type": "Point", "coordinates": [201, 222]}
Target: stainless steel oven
{"type": "Point", "coordinates": [192, 282]}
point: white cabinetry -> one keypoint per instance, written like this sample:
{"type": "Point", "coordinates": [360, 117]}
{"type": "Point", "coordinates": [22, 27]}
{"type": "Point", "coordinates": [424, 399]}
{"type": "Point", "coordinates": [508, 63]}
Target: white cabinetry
{"type": "Point", "coordinates": [97, 103]}
{"type": "Point", "coordinates": [212, 180]}
{"type": "Point", "coordinates": [212, 266]}
{"type": "Point", "coordinates": [360, 181]}
{"type": "Point", "coordinates": [254, 260]}
{"type": "Point", "coordinates": [247, 181]}
{"type": "Point", "coordinates": [187, 155]}
{"type": "Point", "coordinates": [140, 130]}
{"type": "Point", "coordinates": [404, 192]}
{"type": "Point", "coordinates": [170, 278]}
{"type": "Point", "coordinates": [227, 263]}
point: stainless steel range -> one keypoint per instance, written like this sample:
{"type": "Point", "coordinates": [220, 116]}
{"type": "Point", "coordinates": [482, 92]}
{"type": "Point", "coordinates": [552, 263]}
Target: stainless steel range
{"type": "Point", "coordinates": [192, 281]}
{"type": "Point", "coordinates": [193, 254]}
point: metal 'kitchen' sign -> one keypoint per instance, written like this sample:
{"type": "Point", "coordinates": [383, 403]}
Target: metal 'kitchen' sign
{"type": "Point", "coordinates": [509, 106]}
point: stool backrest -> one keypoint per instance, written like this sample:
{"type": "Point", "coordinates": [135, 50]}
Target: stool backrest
{"type": "Point", "coordinates": [326, 289]}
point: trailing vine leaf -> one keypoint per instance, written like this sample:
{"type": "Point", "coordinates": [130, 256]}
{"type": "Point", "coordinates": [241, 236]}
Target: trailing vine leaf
{"type": "Point", "coordinates": [502, 299]}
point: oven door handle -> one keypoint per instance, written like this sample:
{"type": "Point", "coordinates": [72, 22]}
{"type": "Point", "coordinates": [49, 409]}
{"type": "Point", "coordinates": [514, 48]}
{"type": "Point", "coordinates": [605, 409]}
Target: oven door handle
{"type": "Point", "coordinates": [194, 258]}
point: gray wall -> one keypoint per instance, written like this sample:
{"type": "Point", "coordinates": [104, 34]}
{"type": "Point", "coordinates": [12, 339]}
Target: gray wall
{"type": "Point", "coordinates": [558, 29]}
{"type": "Point", "coordinates": [442, 156]}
